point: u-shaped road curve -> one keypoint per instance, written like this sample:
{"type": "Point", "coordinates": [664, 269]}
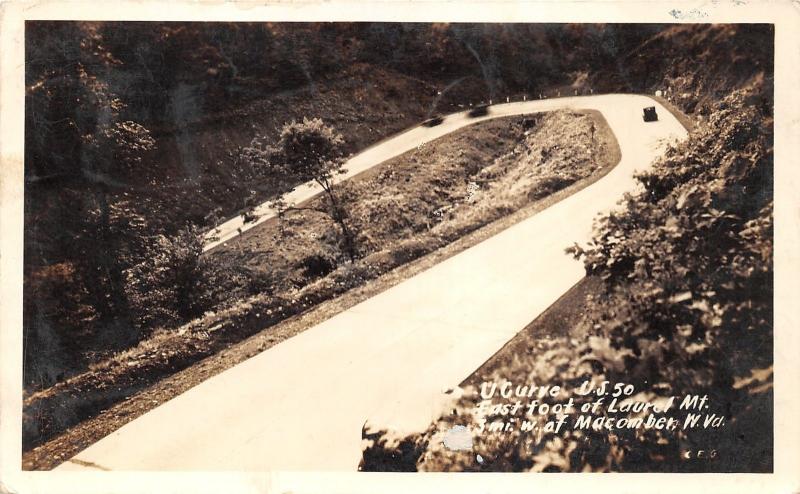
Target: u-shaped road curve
{"type": "Point", "coordinates": [301, 404]}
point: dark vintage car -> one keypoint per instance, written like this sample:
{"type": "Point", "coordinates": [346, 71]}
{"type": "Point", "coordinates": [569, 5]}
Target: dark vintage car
{"type": "Point", "coordinates": [479, 111]}
{"type": "Point", "coordinates": [433, 121]}
{"type": "Point", "coordinates": [650, 114]}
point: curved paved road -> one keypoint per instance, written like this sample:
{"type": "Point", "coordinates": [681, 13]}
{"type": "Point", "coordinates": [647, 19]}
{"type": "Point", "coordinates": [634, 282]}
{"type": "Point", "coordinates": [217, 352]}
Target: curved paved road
{"type": "Point", "coordinates": [397, 145]}
{"type": "Point", "coordinates": [300, 405]}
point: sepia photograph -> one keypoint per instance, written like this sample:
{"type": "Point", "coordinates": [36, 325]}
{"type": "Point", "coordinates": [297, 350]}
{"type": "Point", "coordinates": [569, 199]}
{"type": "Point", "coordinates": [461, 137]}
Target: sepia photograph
{"type": "Point", "coordinates": [398, 246]}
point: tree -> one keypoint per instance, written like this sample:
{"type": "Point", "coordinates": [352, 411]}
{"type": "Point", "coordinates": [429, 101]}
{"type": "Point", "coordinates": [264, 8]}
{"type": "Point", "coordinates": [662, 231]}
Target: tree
{"type": "Point", "coordinates": [306, 151]}
{"type": "Point", "coordinates": [168, 285]}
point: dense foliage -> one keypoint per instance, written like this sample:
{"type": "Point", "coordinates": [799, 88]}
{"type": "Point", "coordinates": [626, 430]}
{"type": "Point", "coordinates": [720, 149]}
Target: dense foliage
{"type": "Point", "coordinates": [93, 233]}
{"type": "Point", "coordinates": [168, 285]}
{"type": "Point", "coordinates": [689, 261]}
{"type": "Point", "coordinates": [687, 308]}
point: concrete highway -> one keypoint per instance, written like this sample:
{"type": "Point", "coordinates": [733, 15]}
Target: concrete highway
{"type": "Point", "coordinates": [301, 404]}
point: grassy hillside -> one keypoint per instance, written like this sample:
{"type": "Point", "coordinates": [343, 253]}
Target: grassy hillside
{"type": "Point", "coordinates": [696, 66]}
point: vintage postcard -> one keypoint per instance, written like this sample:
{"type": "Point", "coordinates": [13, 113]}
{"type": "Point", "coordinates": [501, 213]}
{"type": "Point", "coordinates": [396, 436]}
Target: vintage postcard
{"type": "Point", "coordinates": [355, 246]}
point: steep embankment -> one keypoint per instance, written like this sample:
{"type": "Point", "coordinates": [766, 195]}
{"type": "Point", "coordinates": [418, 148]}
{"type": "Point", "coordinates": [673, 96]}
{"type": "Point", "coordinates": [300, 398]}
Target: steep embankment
{"type": "Point", "coordinates": [696, 65]}
{"type": "Point", "coordinates": [364, 103]}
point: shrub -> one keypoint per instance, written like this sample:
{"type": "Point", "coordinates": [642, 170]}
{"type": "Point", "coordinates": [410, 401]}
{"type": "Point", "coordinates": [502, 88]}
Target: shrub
{"type": "Point", "coordinates": [167, 286]}
{"type": "Point", "coordinates": [317, 265]}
